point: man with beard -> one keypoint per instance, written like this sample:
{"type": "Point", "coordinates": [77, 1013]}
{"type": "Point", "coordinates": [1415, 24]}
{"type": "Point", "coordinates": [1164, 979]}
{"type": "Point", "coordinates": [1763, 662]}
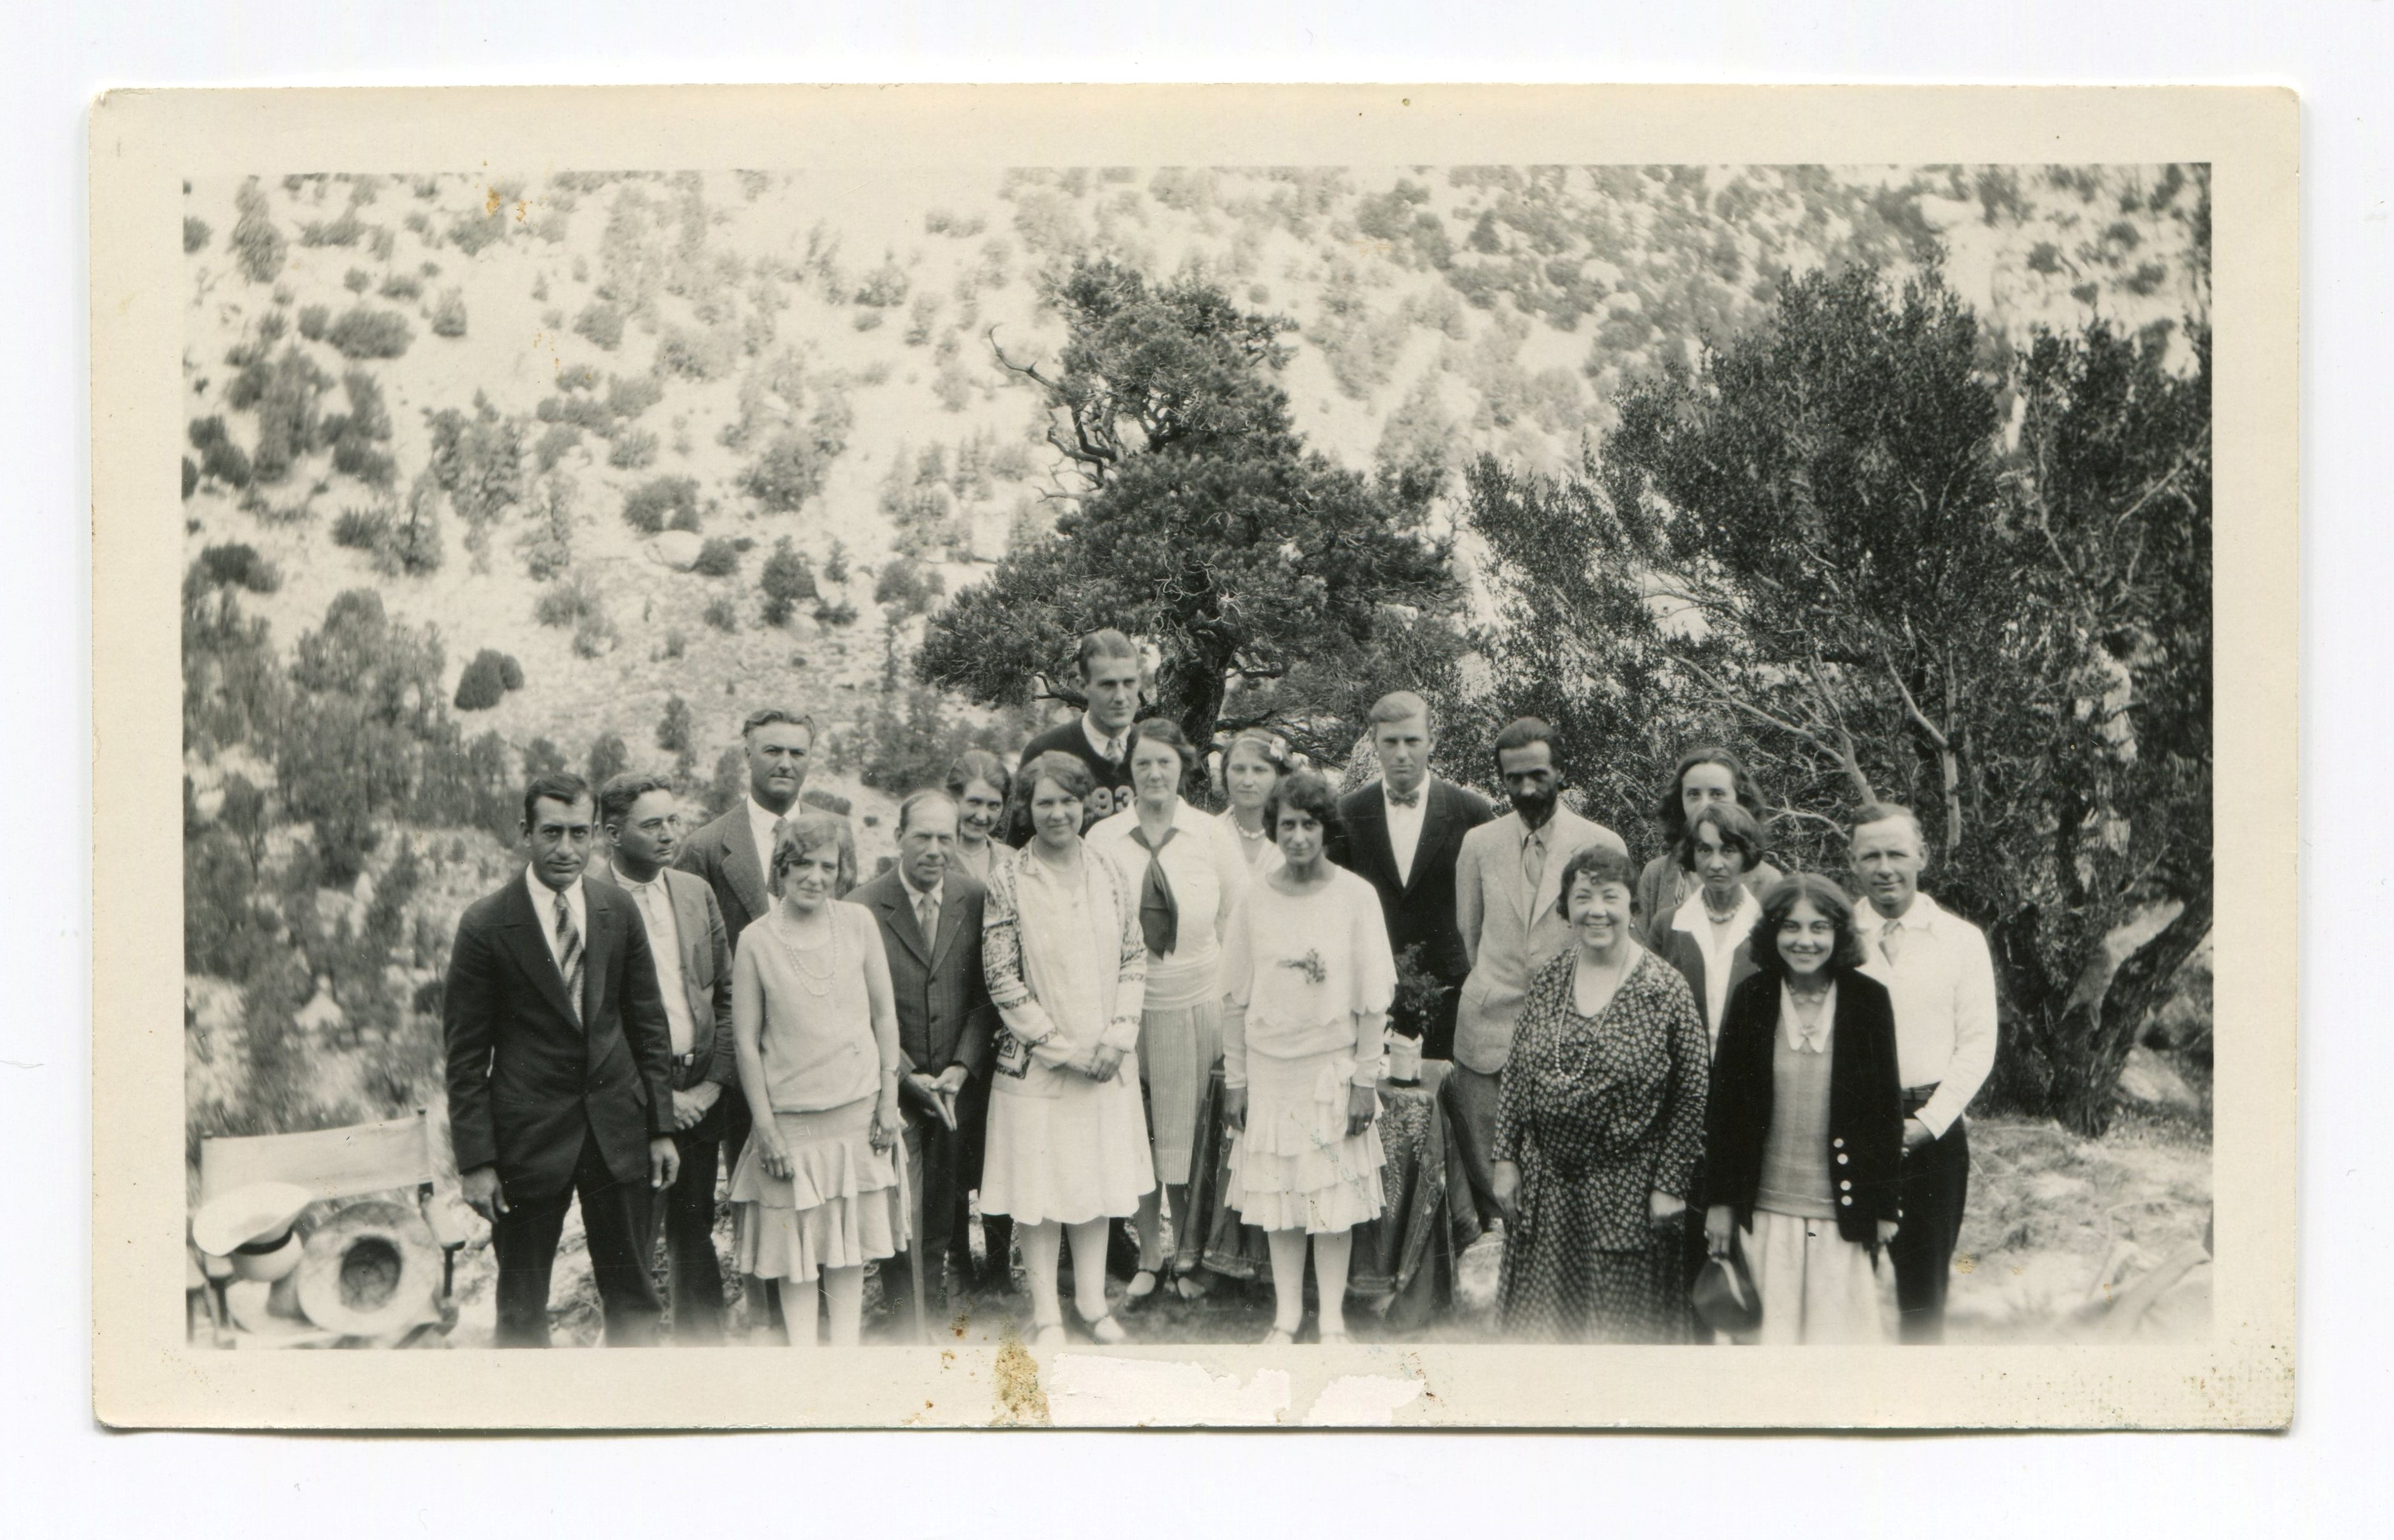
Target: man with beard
{"type": "Point", "coordinates": [735, 851]}
{"type": "Point", "coordinates": [1505, 879]}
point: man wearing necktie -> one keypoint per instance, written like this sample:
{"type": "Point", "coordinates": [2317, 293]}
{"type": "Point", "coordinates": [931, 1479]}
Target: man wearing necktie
{"type": "Point", "coordinates": [1404, 834]}
{"type": "Point", "coordinates": [1110, 671]}
{"type": "Point", "coordinates": [561, 1073]}
{"type": "Point", "coordinates": [1941, 977]}
{"type": "Point", "coordinates": [1511, 927]}
{"type": "Point", "coordinates": [640, 821]}
{"type": "Point", "coordinates": [930, 918]}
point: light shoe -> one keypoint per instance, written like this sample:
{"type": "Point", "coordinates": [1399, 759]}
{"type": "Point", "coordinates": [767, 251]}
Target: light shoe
{"type": "Point", "coordinates": [1106, 1329]}
{"type": "Point", "coordinates": [1051, 1336]}
{"type": "Point", "coordinates": [1279, 1337]}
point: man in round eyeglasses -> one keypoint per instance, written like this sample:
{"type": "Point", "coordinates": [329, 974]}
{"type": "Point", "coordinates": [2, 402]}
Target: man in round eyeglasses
{"type": "Point", "coordinates": [642, 819]}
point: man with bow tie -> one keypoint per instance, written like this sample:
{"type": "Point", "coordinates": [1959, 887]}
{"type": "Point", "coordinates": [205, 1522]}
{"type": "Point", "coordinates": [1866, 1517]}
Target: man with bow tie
{"type": "Point", "coordinates": [561, 1073]}
{"type": "Point", "coordinates": [1108, 669]}
{"type": "Point", "coordinates": [1403, 834]}
{"type": "Point", "coordinates": [1937, 971]}
{"type": "Point", "coordinates": [640, 820]}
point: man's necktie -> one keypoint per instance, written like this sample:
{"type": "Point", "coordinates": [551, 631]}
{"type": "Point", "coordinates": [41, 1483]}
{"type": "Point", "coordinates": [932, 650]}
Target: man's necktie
{"type": "Point", "coordinates": [1158, 911]}
{"type": "Point", "coordinates": [1890, 941]}
{"type": "Point", "coordinates": [1533, 859]}
{"type": "Point", "coordinates": [569, 954]}
{"type": "Point", "coordinates": [926, 915]}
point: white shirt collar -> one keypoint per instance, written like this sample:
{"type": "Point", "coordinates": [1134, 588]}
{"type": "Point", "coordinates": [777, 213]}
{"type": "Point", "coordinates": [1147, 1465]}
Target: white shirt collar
{"type": "Point", "coordinates": [544, 898]}
{"type": "Point", "coordinates": [1105, 747]}
{"type": "Point", "coordinates": [1921, 915]}
{"type": "Point", "coordinates": [1793, 1031]}
{"type": "Point", "coordinates": [761, 818]}
{"type": "Point", "coordinates": [916, 895]}
{"type": "Point", "coordinates": [631, 885]}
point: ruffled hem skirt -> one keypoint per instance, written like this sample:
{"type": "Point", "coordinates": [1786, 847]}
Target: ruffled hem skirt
{"type": "Point", "coordinates": [1178, 1050]}
{"type": "Point", "coordinates": [842, 1204]}
{"type": "Point", "coordinates": [1078, 1155]}
{"type": "Point", "coordinates": [1295, 1166]}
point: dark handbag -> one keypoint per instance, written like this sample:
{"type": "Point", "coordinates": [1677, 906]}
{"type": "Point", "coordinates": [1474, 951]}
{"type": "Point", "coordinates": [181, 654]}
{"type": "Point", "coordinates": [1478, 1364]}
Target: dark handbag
{"type": "Point", "coordinates": [1724, 1294]}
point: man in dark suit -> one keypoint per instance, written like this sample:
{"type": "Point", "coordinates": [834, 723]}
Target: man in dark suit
{"type": "Point", "coordinates": [640, 818]}
{"type": "Point", "coordinates": [561, 1073]}
{"type": "Point", "coordinates": [1403, 832]}
{"type": "Point", "coordinates": [930, 927]}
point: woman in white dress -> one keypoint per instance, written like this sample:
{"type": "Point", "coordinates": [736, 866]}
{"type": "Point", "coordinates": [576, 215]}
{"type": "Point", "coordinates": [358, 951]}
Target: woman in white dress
{"type": "Point", "coordinates": [814, 1024]}
{"type": "Point", "coordinates": [1252, 766]}
{"type": "Point", "coordinates": [980, 781]}
{"type": "Point", "coordinates": [1188, 873]}
{"type": "Point", "coordinates": [1067, 969]}
{"type": "Point", "coordinates": [1308, 975]}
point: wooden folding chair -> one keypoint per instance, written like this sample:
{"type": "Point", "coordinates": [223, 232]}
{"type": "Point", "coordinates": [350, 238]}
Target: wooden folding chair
{"type": "Point", "coordinates": [391, 1155]}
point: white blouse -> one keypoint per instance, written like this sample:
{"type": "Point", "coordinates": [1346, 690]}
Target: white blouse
{"type": "Point", "coordinates": [1207, 872]}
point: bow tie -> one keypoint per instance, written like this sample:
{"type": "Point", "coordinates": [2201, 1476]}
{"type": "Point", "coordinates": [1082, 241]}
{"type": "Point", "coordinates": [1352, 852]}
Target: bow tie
{"type": "Point", "coordinates": [1399, 800]}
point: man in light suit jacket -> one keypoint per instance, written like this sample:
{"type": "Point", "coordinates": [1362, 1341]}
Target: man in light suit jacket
{"type": "Point", "coordinates": [1505, 884]}
{"type": "Point", "coordinates": [1402, 834]}
{"type": "Point", "coordinates": [930, 927]}
{"type": "Point", "coordinates": [640, 820]}
{"type": "Point", "coordinates": [733, 852]}
{"type": "Point", "coordinates": [559, 1074]}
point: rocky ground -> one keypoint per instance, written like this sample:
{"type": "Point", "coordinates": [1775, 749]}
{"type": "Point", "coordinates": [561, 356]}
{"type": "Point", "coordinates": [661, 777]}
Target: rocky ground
{"type": "Point", "coordinates": [2057, 1224]}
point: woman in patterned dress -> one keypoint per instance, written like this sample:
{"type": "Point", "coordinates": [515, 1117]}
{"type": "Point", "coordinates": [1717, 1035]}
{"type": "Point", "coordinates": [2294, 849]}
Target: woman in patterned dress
{"type": "Point", "coordinates": [1067, 969]}
{"type": "Point", "coordinates": [1599, 1122]}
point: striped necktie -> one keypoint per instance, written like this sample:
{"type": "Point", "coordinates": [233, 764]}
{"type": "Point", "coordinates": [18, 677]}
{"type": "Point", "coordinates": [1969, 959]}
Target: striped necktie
{"type": "Point", "coordinates": [569, 954]}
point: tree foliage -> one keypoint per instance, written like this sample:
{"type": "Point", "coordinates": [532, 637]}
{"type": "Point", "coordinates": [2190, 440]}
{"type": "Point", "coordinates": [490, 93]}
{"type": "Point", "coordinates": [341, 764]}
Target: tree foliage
{"type": "Point", "coordinates": [1823, 546]}
{"type": "Point", "coordinates": [1274, 585]}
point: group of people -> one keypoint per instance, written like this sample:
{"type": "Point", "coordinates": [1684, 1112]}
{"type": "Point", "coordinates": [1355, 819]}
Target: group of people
{"type": "Point", "coordinates": [1644, 1067]}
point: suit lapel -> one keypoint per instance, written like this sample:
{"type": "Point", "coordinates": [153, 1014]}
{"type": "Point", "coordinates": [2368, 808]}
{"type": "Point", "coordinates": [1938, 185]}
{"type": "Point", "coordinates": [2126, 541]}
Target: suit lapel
{"type": "Point", "coordinates": [690, 934]}
{"type": "Point", "coordinates": [898, 903]}
{"type": "Point", "coordinates": [952, 919]}
{"type": "Point", "coordinates": [598, 950]}
{"type": "Point", "coordinates": [740, 864]}
{"type": "Point", "coordinates": [1434, 820]}
{"type": "Point", "coordinates": [1370, 836]}
{"type": "Point", "coordinates": [527, 929]}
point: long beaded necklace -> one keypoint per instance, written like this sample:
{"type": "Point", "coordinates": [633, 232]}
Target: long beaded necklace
{"type": "Point", "coordinates": [814, 984]}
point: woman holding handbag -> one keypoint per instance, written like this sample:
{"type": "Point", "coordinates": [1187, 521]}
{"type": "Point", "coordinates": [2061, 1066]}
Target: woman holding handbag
{"type": "Point", "coordinates": [1805, 1133]}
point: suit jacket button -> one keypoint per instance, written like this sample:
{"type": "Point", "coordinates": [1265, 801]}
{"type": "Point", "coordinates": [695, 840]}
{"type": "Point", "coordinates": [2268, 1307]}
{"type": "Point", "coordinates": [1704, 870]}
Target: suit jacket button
{"type": "Point", "coordinates": [1837, 1144]}
{"type": "Point", "coordinates": [1848, 1202]}
{"type": "Point", "coordinates": [1841, 1159]}
{"type": "Point", "coordinates": [1846, 1186]}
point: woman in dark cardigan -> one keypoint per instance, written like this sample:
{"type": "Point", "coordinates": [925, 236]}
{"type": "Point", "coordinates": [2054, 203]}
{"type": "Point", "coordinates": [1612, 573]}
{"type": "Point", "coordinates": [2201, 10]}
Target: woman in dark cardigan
{"type": "Point", "coordinates": [1804, 1134]}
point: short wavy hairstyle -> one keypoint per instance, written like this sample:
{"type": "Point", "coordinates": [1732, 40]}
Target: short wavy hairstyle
{"type": "Point", "coordinates": [1845, 952]}
{"type": "Point", "coordinates": [1673, 812]}
{"type": "Point", "coordinates": [801, 834]}
{"type": "Point", "coordinates": [1164, 730]}
{"type": "Point", "coordinates": [1739, 832]}
{"type": "Point", "coordinates": [1066, 770]}
{"type": "Point", "coordinates": [1265, 746]}
{"type": "Point", "coordinates": [1596, 863]}
{"type": "Point", "coordinates": [1308, 793]}
{"type": "Point", "coordinates": [980, 764]}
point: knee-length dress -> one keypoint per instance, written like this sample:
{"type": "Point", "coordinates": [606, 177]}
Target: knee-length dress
{"type": "Point", "coordinates": [1599, 1112]}
{"type": "Point", "coordinates": [1067, 969]}
{"type": "Point", "coordinates": [1307, 980]}
{"type": "Point", "coordinates": [842, 1204]}
{"type": "Point", "coordinates": [1181, 1021]}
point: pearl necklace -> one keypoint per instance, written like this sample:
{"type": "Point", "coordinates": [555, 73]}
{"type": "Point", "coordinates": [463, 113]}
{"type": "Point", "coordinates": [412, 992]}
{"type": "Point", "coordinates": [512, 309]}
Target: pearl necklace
{"type": "Point", "coordinates": [814, 984]}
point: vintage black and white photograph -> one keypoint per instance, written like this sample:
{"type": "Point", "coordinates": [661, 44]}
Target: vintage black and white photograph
{"type": "Point", "coordinates": [1058, 759]}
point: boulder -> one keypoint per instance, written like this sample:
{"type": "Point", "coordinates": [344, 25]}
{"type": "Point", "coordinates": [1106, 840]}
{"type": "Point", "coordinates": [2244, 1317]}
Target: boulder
{"type": "Point", "coordinates": [677, 548]}
{"type": "Point", "coordinates": [2151, 1080]}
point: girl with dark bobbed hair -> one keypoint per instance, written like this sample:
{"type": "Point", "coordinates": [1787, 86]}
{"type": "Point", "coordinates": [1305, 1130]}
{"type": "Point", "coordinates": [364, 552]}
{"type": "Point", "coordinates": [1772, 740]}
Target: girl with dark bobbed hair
{"type": "Point", "coordinates": [1707, 774]}
{"type": "Point", "coordinates": [1308, 977]}
{"type": "Point", "coordinates": [1803, 1136]}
